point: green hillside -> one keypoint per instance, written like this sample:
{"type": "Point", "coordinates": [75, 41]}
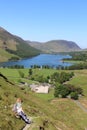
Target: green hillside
{"type": "Point", "coordinates": [60, 114]}
{"type": "Point", "coordinates": [14, 46]}
{"type": "Point", "coordinates": [4, 55]}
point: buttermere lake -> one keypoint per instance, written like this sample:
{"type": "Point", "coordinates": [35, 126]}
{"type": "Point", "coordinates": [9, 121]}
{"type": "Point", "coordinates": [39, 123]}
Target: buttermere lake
{"type": "Point", "coordinates": [53, 60]}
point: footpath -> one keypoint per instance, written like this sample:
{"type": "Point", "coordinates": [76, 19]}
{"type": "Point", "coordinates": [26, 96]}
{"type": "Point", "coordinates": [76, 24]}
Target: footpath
{"type": "Point", "coordinates": [81, 106]}
{"type": "Point", "coordinates": [28, 125]}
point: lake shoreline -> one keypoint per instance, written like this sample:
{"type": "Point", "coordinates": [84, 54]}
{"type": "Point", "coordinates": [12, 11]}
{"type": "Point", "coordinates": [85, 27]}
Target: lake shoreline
{"type": "Point", "coordinates": [40, 60]}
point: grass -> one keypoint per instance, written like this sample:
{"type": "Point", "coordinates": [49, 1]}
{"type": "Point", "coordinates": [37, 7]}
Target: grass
{"type": "Point", "coordinates": [47, 97]}
{"type": "Point", "coordinates": [70, 114]}
{"type": "Point", "coordinates": [44, 72]}
{"type": "Point", "coordinates": [60, 113]}
{"type": "Point", "coordinates": [80, 79]}
{"type": "Point", "coordinates": [74, 61]}
{"type": "Point", "coordinates": [4, 55]}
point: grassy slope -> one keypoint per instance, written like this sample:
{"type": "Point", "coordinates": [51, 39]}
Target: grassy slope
{"type": "Point", "coordinates": [62, 113]}
{"type": "Point", "coordinates": [31, 105]}
{"type": "Point", "coordinates": [7, 97]}
{"type": "Point", "coordinates": [80, 79]}
{"type": "Point", "coordinates": [4, 56]}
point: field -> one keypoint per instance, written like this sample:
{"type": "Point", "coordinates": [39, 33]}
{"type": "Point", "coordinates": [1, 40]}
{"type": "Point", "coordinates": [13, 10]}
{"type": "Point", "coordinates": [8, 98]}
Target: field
{"type": "Point", "coordinates": [60, 114]}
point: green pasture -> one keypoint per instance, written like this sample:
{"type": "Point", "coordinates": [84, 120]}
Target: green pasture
{"type": "Point", "coordinates": [47, 97]}
{"type": "Point", "coordinates": [70, 114]}
{"type": "Point", "coordinates": [74, 61]}
{"type": "Point", "coordinates": [13, 73]}
{"type": "Point", "coordinates": [44, 72]}
{"type": "Point", "coordinates": [80, 80]}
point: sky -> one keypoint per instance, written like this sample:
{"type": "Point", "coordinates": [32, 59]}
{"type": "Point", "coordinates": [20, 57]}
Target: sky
{"type": "Point", "coordinates": [44, 20]}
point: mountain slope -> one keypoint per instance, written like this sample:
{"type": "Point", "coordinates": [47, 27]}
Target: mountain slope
{"type": "Point", "coordinates": [15, 46]}
{"type": "Point", "coordinates": [55, 46]}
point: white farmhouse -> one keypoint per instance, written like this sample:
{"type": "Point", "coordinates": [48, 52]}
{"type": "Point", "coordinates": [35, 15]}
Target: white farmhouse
{"type": "Point", "coordinates": [40, 88]}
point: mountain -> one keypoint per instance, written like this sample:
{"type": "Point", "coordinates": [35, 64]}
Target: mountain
{"type": "Point", "coordinates": [55, 46]}
{"type": "Point", "coordinates": [14, 47]}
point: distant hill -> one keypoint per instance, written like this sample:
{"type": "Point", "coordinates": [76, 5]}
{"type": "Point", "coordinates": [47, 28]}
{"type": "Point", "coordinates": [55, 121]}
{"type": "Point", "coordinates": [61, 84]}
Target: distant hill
{"type": "Point", "coordinates": [14, 47]}
{"type": "Point", "coordinates": [85, 49]}
{"type": "Point", "coordinates": [55, 46]}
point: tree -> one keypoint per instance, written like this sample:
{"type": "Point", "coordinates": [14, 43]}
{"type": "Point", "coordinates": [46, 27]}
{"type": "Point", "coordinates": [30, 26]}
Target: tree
{"type": "Point", "coordinates": [61, 77]}
{"type": "Point", "coordinates": [21, 74]}
{"type": "Point", "coordinates": [61, 90]}
{"type": "Point", "coordinates": [30, 71]}
{"type": "Point", "coordinates": [65, 90]}
{"type": "Point", "coordinates": [57, 90]}
{"type": "Point", "coordinates": [74, 95]}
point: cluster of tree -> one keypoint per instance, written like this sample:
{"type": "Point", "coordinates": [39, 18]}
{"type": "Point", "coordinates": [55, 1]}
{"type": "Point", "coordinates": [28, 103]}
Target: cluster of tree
{"type": "Point", "coordinates": [46, 67]}
{"type": "Point", "coordinates": [67, 90]}
{"type": "Point", "coordinates": [81, 56]}
{"type": "Point", "coordinates": [35, 66]}
{"type": "Point", "coordinates": [14, 58]}
{"type": "Point", "coordinates": [55, 77]}
{"type": "Point", "coordinates": [39, 78]}
{"type": "Point", "coordinates": [16, 67]}
{"type": "Point", "coordinates": [61, 77]}
{"type": "Point", "coordinates": [43, 66]}
{"type": "Point", "coordinates": [77, 66]}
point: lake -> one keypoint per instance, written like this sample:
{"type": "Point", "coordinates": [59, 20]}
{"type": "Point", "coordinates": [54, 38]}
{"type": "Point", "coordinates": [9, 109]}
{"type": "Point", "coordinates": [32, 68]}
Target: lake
{"type": "Point", "coordinates": [52, 60]}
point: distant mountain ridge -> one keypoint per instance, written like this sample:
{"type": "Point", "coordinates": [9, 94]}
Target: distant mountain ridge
{"type": "Point", "coordinates": [55, 46]}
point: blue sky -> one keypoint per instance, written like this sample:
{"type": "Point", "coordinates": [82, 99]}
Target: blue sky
{"type": "Point", "coordinates": [44, 20]}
